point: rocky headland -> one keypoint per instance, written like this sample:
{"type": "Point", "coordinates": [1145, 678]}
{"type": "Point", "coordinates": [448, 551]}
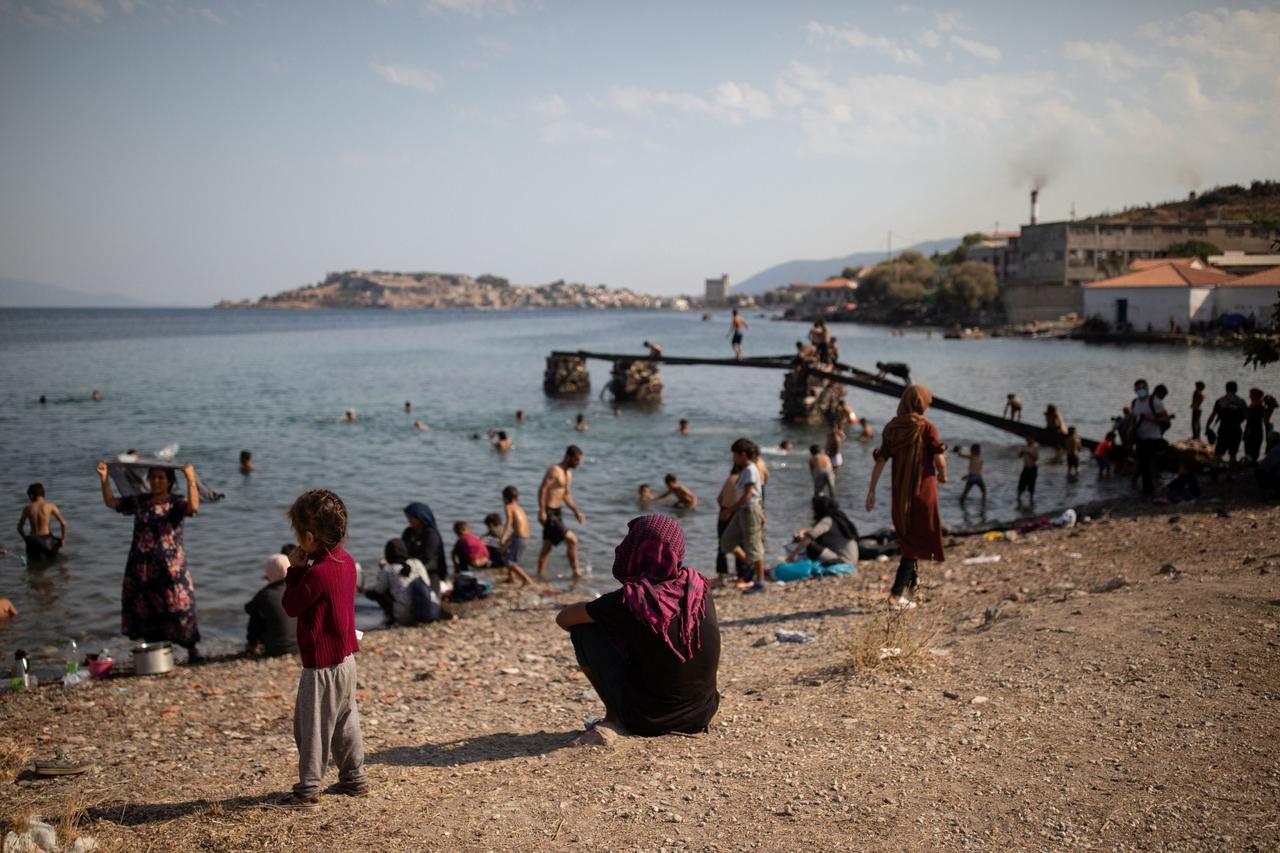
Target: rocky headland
{"type": "Point", "coordinates": [429, 290]}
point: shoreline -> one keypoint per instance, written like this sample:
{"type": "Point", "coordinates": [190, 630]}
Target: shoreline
{"type": "Point", "coordinates": [1108, 685]}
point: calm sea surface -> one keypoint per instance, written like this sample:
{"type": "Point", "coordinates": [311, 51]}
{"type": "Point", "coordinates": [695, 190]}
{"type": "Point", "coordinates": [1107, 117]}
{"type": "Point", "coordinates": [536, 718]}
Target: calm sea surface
{"type": "Point", "coordinates": [277, 383]}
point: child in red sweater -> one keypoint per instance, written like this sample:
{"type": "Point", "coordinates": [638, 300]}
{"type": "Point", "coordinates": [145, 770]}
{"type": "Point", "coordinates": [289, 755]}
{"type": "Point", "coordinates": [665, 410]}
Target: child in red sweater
{"type": "Point", "coordinates": [320, 594]}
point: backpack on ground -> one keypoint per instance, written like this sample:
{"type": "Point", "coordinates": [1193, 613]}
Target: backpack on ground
{"type": "Point", "coordinates": [424, 604]}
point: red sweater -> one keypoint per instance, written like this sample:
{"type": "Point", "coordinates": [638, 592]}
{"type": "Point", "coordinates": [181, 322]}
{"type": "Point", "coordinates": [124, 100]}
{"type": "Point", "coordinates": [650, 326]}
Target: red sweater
{"type": "Point", "coordinates": [322, 598]}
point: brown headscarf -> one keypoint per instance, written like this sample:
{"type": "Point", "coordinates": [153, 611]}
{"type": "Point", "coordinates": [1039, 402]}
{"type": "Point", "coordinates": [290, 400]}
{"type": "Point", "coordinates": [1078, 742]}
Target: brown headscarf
{"type": "Point", "coordinates": [902, 440]}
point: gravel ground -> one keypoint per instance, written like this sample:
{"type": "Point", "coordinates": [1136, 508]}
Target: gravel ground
{"type": "Point", "coordinates": [1112, 686]}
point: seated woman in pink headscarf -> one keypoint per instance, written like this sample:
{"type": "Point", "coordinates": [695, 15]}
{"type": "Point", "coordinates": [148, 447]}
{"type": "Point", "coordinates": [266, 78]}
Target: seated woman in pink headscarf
{"type": "Point", "coordinates": [652, 648]}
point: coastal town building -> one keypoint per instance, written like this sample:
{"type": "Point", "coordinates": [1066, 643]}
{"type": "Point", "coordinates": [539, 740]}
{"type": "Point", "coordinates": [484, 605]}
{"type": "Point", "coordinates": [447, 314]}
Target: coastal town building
{"type": "Point", "coordinates": [834, 294]}
{"type": "Point", "coordinates": [1243, 263]}
{"type": "Point", "coordinates": [1055, 260]}
{"type": "Point", "coordinates": [1000, 252]}
{"type": "Point", "coordinates": [1172, 294]}
{"type": "Point", "coordinates": [717, 292]}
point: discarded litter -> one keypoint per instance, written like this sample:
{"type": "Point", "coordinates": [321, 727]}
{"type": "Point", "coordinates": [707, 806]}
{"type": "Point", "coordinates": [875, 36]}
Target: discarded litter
{"type": "Point", "coordinates": [1067, 519]}
{"type": "Point", "coordinates": [792, 636]}
{"type": "Point", "coordinates": [890, 653]}
{"type": "Point", "coordinates": [982, 558]}
{"type": "Point", "coordinates": [993, 536]}
{"type": "Point", "coordinates": [942, 653]}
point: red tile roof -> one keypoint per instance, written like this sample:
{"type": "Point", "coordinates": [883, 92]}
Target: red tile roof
{"type": "Point", "coordinates": [836, 282]}
{"type": "Point", "coordinates": [1168, 274]}
{"type": "Point", "coordinates": [1265, 278]}
{"type": "Point", "coordinates": [1149, 263]}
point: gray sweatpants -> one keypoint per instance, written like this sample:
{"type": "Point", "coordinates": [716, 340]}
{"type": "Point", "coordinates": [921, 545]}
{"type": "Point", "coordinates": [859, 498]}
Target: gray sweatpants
{"type": "Point", "coordinates": [325, 720]}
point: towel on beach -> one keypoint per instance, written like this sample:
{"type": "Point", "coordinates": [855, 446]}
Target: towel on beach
{"type": "Point", "coordinates": [804, 569]}
{"type": "Point", "coordinates": [131, 477]}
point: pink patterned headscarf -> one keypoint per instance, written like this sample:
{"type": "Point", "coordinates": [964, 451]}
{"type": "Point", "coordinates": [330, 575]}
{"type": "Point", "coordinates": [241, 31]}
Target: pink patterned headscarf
{"type": "Point", "coordinates": [656, 585]}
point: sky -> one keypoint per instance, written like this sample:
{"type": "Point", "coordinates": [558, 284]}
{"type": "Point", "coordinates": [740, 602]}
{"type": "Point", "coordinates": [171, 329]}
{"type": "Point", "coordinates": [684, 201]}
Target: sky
{"type": "Point", "coordinates": [181, 153]}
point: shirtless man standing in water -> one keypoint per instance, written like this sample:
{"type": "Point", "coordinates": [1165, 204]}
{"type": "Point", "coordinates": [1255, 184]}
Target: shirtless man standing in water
{"type": "Point", "coordinates": [42, 545]}
{"type": "Point", "coordinates": [555, 493]}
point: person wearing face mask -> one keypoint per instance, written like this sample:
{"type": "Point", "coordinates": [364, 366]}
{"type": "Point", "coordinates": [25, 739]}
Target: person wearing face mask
{"type": "Point", "coordinates": [1150, 419]}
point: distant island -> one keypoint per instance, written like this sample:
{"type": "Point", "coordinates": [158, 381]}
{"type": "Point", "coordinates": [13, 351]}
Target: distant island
{"type": "Point", "coordinates": [429, 290]}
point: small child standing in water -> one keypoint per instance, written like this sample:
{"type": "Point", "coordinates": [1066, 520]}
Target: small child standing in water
{"type": "Point", "coordinates": [1072, 444]}
{"type": "Point", "coordinates": [974, 477]}
{"type": "Point", "coordinates": [319, 592]}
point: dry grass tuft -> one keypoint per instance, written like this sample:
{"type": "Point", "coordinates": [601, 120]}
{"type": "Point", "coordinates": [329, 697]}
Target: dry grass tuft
{"type": "Point", "coordinates": [892, 639]}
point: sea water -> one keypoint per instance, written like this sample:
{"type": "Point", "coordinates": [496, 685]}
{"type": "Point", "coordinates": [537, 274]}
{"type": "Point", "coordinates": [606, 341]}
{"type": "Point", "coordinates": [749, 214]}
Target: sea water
{"type": "Point", "coordinates": [277, 383]}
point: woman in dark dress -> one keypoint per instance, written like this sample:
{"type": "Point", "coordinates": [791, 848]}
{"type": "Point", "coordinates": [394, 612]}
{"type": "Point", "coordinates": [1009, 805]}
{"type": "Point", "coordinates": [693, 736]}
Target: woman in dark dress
{"type": "Point", "coordinates": [919, 464]}
{"type": "Point", "coordinates": [651, 649]}
{"type": "Point", "coordinates": [158, 599]}
{"type": "Point", "coordinates": [423, 539]}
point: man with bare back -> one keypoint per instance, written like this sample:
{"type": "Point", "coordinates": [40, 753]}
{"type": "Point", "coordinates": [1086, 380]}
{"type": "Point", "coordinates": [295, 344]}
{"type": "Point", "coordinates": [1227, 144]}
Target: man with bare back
{"type": "Point", "coordinates": [42, 545]}
{"type": "Point", "coordinates": [737, 325]}
{"type": "Point", "coordinates": [555, 493]}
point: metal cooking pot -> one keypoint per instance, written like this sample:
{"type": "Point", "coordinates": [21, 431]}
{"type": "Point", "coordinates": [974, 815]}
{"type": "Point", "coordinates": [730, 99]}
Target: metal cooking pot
{"type": "Point", "coordinates": [152, 658]}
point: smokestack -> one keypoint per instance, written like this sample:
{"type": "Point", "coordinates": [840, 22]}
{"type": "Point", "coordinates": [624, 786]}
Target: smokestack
{"type": "Point", "coordinates": [1035, 206]}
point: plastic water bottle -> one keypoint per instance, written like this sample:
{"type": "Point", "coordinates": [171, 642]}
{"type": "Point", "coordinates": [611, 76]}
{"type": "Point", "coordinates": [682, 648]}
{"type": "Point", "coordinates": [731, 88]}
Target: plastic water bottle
{"type": "Point", "coordinates": [73, 675]}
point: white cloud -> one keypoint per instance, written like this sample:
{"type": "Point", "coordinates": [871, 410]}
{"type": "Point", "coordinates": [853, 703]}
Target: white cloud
{"type": "Point", "coordinates": [946, 22]}
{"type": "Point", "coordinates": [1183, 86]}
{"type": "Point", "coordinates": [735, 103]}
{"type": "Point", "coordinates": [636, 99]}
{"type": "Point", "coordinates": [73, 11]}
{"type": "Point", "coordinates": [408, 75]}
{"type": "Point", "coordinates": [1108, 60]}
{"type": "Point", "coordinates": [830, 36]}
{"type": "Point", "coordinates": [929, 39]}
{"type": "Point", "coordinates": [550, 107]}
{"type": "Point", "coordinates": [739, 102]}
{"type": "Point", "coordinates": [988, 52]}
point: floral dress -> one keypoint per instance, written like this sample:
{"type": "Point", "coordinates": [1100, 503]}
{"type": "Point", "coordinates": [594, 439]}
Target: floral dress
{"type": "Point", "coordinates": [158, 600]}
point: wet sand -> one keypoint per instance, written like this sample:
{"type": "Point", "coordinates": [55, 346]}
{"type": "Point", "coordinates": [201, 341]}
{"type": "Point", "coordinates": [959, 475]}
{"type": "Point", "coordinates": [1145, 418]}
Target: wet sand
{"type": "Point", "coordinates": [1071, 695]}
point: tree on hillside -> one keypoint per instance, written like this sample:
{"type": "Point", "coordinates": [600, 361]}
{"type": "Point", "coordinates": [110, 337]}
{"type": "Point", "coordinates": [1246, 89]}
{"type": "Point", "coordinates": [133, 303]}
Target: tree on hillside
{"type": "Point", "coordinates": [851, 273]}
{"type": "Point", "coordinates": [1201, 249]}
{"type": "Point", "coordinates": [904, 280]}
{"type": "Point", "coordinates": [960, 253]}
{"type": "Point", "coordinates": [968, 286]}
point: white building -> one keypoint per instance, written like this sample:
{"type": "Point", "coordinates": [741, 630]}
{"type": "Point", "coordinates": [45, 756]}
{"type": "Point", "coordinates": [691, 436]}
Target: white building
{"type": "Point", "coordinates": [1254, 295]}
{"type": "Point", "coordinates": [1159, 295]}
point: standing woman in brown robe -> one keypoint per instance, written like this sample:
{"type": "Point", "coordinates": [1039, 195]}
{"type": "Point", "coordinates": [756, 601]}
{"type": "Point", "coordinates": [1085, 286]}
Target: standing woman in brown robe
{"type": "Point", "coordinates": [919, 464]}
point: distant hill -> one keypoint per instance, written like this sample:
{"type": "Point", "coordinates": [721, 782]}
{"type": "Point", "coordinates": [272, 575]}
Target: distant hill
{"type": "Point", "coordinates": [812, 272]}
{"type": "Point", "coordinates": [17, 293]}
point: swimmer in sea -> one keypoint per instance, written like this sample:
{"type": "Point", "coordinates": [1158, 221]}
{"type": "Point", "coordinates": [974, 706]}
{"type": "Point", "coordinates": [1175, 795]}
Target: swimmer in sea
{"type": "Point", "coordinates": [42, 545]}
{"type": "Point", "coordinates": [644, 495]}
{"type": "Point", "coordinates": [867, 432]}
{"type": "Point", "coordinates": [683, 427]}
{"type": "Point", "coordinates": [685, 499]}
{"type": "Point", "coordinates": [96, 396]}
{"type": "Point", "coordinates": [655, 351]}
{"type": "Point", "coordinates": [246, 462]}
{"type": "Point", "coordinates": [420, 426]}
{"type": "Point", "coordinates": [350, 416]}
{"type": "Point", "coordinates": [519, 416]}
{"type": "Point", "coordinates": [580, 423]}
{"type": "Point", "coordinates": [500, 440]}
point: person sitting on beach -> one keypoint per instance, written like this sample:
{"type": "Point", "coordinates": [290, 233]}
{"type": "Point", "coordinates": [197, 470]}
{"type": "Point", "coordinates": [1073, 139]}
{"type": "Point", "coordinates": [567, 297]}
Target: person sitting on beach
{"type": "Point", "coordinates": [824, 476]}
{"type": "Point", "coordinates": [403, 589]}
{"type": "Point", "coordinates": [1073, 444]}
{"type": "Point", "coordinates": [1183, 487]}
{"type": "Point", "coordinates": [42, 545]}
{"type": "Point", "coordinates": [1029, 453]}
{"type": "Point", "coordinates": [683, 427]}
{"type": "Point", "coordinates": [500, 441]}
{"type": "Point", "coordinates": [974, 477]}
{"type": "Point", "coordinates": [833, 537]}
{"type": "Point", "coordinates": [1012, 408]}
{"type": "Point", "coordinates": [514, 536]}
{"type": "Point", "coordinates": [320, 594]}
{"type": "Point", "coordinates": [655, 351]}
{"type": "Point", "coordinates": [651, 649]}
{"type": "Point", "coordinates": [492, 538]}
{"type": "Point", "coordinates": [271, 631]}
{"type": "Point", "coordinates": [580, 423]}
{"type": "Point", "coordinates": [469, 552]}
{"type": "Point", "coordinates": [895, 368]}
{"type": "Point", "coordinates": [422, 538]}
{"type": "Point", "coordinates": [685, 499]}
{"type": "Point", "coordinates": [246, 462]}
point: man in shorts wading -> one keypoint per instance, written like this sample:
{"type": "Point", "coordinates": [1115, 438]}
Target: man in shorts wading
{"type": "Point", "coordinates": [744, 533]}
{"type": "Point", "coordinates": [555, 493]}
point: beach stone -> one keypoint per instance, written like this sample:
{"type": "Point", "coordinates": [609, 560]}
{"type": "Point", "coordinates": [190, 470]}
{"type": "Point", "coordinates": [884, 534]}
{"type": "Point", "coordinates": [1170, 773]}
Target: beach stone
{"type": "Point", "coordinates": [84, 844]}
{"type": "Point", "coordinates": [15, 843]}
{"type": "Point", "coordinates": [1115, 583]}
{"type": "Point", "coordinates": [44, 835]}
{"type": "Point", "coordinates": [979, 700]}
{"type": "Point", "coordinates": [600, 735]}
{"type": "Point", "coordinates": [1168, 569]}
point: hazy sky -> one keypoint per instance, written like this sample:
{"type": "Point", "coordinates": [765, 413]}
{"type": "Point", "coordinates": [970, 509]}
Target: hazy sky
{"type": "Point", "coordinates": [183, 153]}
